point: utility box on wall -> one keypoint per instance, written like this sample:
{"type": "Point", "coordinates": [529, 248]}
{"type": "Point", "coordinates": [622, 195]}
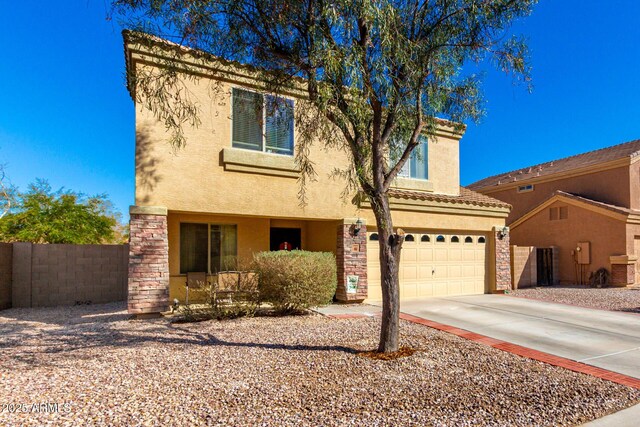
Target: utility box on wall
{"type": "Point", "coordinates": [583, 253]}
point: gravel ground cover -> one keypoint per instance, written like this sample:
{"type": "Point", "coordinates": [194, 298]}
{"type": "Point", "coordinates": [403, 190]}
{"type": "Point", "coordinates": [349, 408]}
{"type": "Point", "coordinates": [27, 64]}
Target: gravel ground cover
{"type": "Point", "coordinates": [104, 369]}
{"type": "Point", "coordinates": [617, 299]}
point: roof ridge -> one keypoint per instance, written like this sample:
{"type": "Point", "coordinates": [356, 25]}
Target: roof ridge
{"type": "Point", "coordinates": [539, 165]}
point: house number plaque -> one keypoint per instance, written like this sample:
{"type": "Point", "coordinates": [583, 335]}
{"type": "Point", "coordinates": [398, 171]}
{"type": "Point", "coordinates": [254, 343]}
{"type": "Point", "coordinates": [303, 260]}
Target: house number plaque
{"type": "Point", "coordinates": [352, 284]}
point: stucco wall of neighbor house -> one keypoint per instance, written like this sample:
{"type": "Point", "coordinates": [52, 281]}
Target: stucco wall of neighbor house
{"type": "Point", "coordinates": [605, 186]}
{"type": "Point", "coordinates": [194, 178]}
{"type": "Point", "coordinates": [6, 261]}
{"type": "Point", "coordinates": [606, 235]}
{"type": "Point", "coordinates": [634, 183]}
{"type": "Point", "coordinates": [633, 240]}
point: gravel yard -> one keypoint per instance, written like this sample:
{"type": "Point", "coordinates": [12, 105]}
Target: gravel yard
{"type": "Point", "coordinates": [617, 299]}
{"type": "Point", "coordinates": [110, 370]}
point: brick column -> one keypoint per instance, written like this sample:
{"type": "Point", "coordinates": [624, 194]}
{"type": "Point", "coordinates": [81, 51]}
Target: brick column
{"type": "Point", "coordinates": [502, 268]}
{"type": "Point", "coordinates": [351, 257]}
{"type": "Point", "coordinates": [623, 270]}
{"type": "Point", "coordinates": [148, 260]}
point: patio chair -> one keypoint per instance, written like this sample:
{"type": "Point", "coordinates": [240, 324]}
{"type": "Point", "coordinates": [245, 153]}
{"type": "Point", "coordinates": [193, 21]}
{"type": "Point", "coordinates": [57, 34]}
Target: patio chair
{"type": "Point", "coordinates": [235, 285]}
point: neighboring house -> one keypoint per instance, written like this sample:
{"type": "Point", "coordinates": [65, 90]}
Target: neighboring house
{"type": "Point", "coordinates": [590, 200]}
{"type": "Point", "coordinates": [233, 190]}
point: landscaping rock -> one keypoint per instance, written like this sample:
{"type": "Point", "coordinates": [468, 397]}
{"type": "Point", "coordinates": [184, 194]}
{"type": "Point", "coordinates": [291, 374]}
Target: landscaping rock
{"type": "Point", "coordinates": [289, 371]}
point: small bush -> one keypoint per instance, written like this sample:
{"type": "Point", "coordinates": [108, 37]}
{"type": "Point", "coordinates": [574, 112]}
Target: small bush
{"type": "Point", "coordinates": [294, 281]}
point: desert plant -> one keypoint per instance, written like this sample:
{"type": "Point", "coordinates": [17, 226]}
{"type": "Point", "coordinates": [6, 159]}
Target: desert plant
{"type": "Point", "coordinates": [294, 281]}
{"type": "Point", "coordinates": [600, 278]}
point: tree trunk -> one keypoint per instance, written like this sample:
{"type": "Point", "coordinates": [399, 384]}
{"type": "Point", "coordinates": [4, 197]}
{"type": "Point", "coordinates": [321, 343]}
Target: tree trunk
{"type": "Point", "coordinates": [390, 245]}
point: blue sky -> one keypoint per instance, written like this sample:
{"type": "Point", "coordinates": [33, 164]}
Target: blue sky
{"type": "Point", "coordinates": [66, 116]}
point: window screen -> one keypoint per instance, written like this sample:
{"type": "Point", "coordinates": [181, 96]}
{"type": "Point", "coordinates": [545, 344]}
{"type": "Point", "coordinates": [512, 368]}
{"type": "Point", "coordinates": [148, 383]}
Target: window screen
{"type": "Point", "coordinates": [223, 247]}
{"type": "Point", "coordinates": [417, 165]}
{"type": "Point", "coordinates": [247, 119]}
{"type": "Point", "coordinates": [279, 125]}
{"type": "Point", "coordinates": [193, 247]}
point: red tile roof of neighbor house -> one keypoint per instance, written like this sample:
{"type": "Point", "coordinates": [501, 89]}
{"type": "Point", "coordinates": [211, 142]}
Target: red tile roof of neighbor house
{"type": "Point", "coordinates": [628, 149]}
{"type": "Point", "coordinates": [607, 206]}
{"type": "Point", "coordinates": [466, 196]}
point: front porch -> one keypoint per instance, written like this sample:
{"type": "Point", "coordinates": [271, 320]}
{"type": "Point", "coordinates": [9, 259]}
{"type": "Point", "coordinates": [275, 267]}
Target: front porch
{"type": "Point", "coordinates": [166, 245]}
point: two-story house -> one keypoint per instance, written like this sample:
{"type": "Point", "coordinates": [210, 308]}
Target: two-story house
{"type": "Point", "coordinates": [585, 206]}
{"type": "Point", "coordinates": [233, 191]}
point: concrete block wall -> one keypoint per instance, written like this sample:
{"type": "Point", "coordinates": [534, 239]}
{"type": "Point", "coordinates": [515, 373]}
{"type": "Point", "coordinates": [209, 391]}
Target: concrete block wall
{"type": "Point", "coordinates": [524, 266]}
{"type": "Point", "coordinates": [70, 274]}
{"type": "Point", "coordinates": [53, 275]}
{"type": "Point", "coordinates": [6, 260]}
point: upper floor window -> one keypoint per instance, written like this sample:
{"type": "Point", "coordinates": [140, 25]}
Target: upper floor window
{"type": "Point", "coordinates": [417, 165]}
{"type": "Point", "coordinates": [262, 122]}
{"type": "Point", "coordinates": [525, 188]}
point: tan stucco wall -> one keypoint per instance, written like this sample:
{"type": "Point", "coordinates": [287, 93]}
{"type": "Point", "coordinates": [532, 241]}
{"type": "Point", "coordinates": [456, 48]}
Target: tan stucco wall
{"type": "Point", "coordinates": [253, 234]}
{"type": "Point", "coordinates": [194, 178]}
{"type": "Point", "coordinates": [606, 235]}
{"type": "Point", "coordinates": [634, 183]}
{"type": "Point", "coordinates": [610, 186]}
{"type": "Point", "coordinates": [633, 233]}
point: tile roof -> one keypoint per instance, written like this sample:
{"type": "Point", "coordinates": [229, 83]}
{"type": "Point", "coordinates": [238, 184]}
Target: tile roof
{"type": "Point", "coordinates": [466, 196]}
{"type": "Point", "coordinates": [607, 206]}
{"type": "Point", "coordinates": [628, 149]}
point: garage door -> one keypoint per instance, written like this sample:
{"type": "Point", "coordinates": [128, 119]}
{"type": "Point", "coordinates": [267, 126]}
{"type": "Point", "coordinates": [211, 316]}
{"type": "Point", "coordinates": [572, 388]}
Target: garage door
{"type": "Point", "coordinates": [433, 264]}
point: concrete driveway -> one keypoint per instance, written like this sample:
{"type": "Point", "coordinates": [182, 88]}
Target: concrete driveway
{"type": "Point", "coordinates": [600, 338]}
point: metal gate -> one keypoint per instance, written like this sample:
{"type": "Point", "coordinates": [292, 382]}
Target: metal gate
{"type": "Point", "coordinates": [544, 264]}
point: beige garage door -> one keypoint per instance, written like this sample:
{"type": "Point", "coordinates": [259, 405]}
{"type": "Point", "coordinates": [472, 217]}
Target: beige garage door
{"type": "Point", "coordinates": [433, 264]}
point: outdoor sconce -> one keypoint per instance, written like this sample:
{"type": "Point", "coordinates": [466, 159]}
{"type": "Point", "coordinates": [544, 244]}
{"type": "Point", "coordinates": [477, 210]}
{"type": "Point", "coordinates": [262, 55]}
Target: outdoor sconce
{"type": "Point", "coordinates": [356, 227]}
{"type": "Point", "coordinates": [502, 233]}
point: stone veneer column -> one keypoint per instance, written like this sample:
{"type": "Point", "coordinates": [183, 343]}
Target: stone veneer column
{"type": "Point", "coordinates": [351, 257]}
{"type": "Point", "coordinates": [623, 270]}
{"type": "Point", "coordinates": [502, 267]}
{"type": "Point", "coordinates": [148, 260]}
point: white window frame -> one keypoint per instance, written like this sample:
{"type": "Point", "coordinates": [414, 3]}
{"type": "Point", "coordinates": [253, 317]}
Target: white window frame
{"type": "Point", "coordinates": [264, 122]}
{"type": "Point", "coordinates": [405, 172]}
{"type": "Point", "coordinates": [525, 188]}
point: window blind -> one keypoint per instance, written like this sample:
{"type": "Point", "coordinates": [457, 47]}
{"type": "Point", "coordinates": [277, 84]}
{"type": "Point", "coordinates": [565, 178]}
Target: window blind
{"type": "Point", "coordinates": [419, 160]}
{"type": "Point", "coordinates": [279, 125]}
{"type": "Point", "coordinates": [247, 119]}
{"type": "Point", "coordinates": [193, 247]}
{"type": "Point", "coordinates": [224, 247]}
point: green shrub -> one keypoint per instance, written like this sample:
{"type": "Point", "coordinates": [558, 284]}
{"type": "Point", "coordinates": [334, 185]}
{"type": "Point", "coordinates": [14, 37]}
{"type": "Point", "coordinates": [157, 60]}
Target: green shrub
{"type": "Point", "coordinates": [294, 281]}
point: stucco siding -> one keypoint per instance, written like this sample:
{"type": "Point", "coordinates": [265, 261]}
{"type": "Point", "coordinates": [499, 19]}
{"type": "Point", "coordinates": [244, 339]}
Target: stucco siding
{"type": "Point", "coordinates": [606, 235]}
{"type": "Point", "coordinates": [606, 186]}
{"type": "Point", "coordinates": [193, 178]}
{"type": "Point", "coordinates": [634, 184]}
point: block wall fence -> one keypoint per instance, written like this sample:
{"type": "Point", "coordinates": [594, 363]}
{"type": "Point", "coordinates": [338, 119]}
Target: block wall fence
{"type": "Point", "coordinates": [34, 275]}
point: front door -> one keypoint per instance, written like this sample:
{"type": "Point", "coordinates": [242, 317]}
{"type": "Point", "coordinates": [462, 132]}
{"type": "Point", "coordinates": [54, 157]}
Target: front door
{"type": "Point", "coordinates": [285, 239]}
